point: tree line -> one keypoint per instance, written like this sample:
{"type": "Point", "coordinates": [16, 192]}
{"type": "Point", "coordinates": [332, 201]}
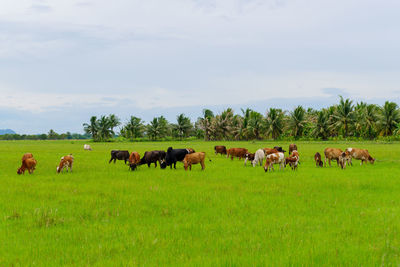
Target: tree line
{"type": "Point", "coordinates": [343, 120]}
{"type": "Point", "coordinates": [51, 135]}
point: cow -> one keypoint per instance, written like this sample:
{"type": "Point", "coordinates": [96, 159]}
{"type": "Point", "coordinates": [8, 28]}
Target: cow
{"type": "Point", "coordinates": [259, 157]}
{"type": "Point", "coordinates": [293, 160]}
{"type": "Point", "coordinates": [236, 152]}
{"type": "Point", "coordinates": [292, 147]}
{"type": "Point", "coordinates": [220, 149]}
{"type": "Point", "coordinates": [269, 151]}
{"type": "Point", "coordinates": [360, 154]}
{"type": "Point", "coordinates": [26, 156]}
{"type": "Point", "coordinates": [248, 156]}
{"type": "Point", "coordinates": [119, 155]}
{"type": "Point", "coordinates": [318, 160]}
{"type": "Point", "coordinates": [194, 158]}
{"type": "Point", "coordinates": [65, 163]}
{"type": "Point", "coordinates": [28, 164]}
{"type": "Point", "coordinates": [275, 158]}
{"type": "Point", "coordinates": [343, 159]}
{"type": "Point", "coordinates": [280, 149]}
{"type": "Point", "coordinates": [332, 154]}
{"type": "Point", "coordinates": [174, 155]}
{"type": "Point", "coordinates": [87, 147]}
{"type": "Point", "coordinates": [154, 157]}
{"type": "Point", "coordinates": [134, 160]}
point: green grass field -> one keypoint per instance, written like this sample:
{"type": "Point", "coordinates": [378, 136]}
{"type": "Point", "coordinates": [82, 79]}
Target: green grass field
{"type": "Point", "coordinates": [228, 214]}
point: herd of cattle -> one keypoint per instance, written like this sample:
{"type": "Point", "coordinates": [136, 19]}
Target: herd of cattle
{"type": "Point", "coordinates": [190, 157]}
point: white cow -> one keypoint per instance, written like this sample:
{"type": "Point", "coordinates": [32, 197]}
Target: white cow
{"type": "Point", "coordinates": [87, 147]}
{"type": "Point", "coordinates": [259, 157]}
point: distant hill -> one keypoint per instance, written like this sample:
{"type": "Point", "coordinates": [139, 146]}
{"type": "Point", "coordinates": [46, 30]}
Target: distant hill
{"type": "Point", "coordinates": [6, 131]}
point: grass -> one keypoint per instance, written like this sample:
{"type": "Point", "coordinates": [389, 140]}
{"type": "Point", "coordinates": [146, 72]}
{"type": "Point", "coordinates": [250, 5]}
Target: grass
{"type": "Point", "coordinates": [228, 214]}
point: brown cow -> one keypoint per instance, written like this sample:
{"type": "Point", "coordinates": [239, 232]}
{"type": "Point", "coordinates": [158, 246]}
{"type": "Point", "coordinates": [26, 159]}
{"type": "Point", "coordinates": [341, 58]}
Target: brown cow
{"type": "Point", "coordinates": [28, 164]}
{"type": "Point", "coordinates": [332, 154]}
{"type": "Point", "coordinates": [194, 158]}
{"type": "Point", "coordinates": [269, 151]}
{"type": "Point", "coordinates": [65, 163]}
{"type": "Point", "coordinates": [220, 149]}
{"type": "Point", "coordinates": [134, 160]}
{"type": "Point", "coordinates": [27, 156]}
{"type": "Point", "coordinates": [293, 160]}
{"type": "Point", "coordinates": [291, 148]}
{"type": "Point", "coordinates": [318, 160]}
{"type": "Point", "coordinates": [236, 152]}
{"type": "Point", "coordinates": [275, 158]}
{"type": "Point", "coordinates": [360, 154]}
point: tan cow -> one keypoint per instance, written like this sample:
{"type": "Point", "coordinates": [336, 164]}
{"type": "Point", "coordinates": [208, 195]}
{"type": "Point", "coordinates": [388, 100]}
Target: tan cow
{"type": "Point", "coordinates": [332, 154]}
{"type": "Point", "coordinates": [236, 152]}
{"type": "Point", "coordinates": [275, 158]}
{"type": "Point", "coordinates": [27, 164]}
{"type": "Point", "coordinates": [27, 156]}
{"type": "Point", "coordinates": [360, 154]}
{"type": "Point", "coordinates": [194, 158]}
{"type": "Point", "coordinates": [65, 163]}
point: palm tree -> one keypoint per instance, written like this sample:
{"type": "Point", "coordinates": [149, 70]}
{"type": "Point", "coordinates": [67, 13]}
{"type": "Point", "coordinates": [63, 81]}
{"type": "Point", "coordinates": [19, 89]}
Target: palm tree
{"type": "Point", "coordinates": [297, 121]}
{"type": "Point", "coordinates": [157, 128]}
{"type": "Point", "coordinates": [134, 128]}
{"type": "Point", "coordinates": [205, 123]}
{"type": "Point", "coordinates": [320, 128]}
{"type": "Point", "coordinates": [114, 121]}
{"type": "Point", "coordinates": [183, 126]}
{"type": "Point", "coordinates": [274, 122]}
{"type": "Point", "coordinates": [389, 117]}
{"type": "Point", "coordinates": [104, 128]}
{"type": "Point", "coordinates": [92, 128]}
{"type": "Point", "coordinates": [344, 116]}
{"type": "Point", "coordinates": [222, 124]}
{"type": "Point", "coordinates": [246, 117]}
{"type": "Point", "coordinates": [255, 124]}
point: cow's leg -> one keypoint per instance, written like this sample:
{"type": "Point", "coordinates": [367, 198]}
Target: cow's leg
{"type": "Point", "coordinates": [245, 161]}
{"type": "Point", "coordinates": [175, 165]}
{"type": "Point", "coordinates": [190, 166]}
{"type": "Point", "coordinates": [148, 164]}
{"type": "Point", "coordinates": [202, 165]}
{"type": "Point", "coordinates": [337, 161]}
{"type": "Point", "coordinates": [110, 160]}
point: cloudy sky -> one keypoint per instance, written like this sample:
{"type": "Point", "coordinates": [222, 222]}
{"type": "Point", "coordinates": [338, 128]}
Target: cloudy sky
{"type": "Point", "coordinates": [66, 60]}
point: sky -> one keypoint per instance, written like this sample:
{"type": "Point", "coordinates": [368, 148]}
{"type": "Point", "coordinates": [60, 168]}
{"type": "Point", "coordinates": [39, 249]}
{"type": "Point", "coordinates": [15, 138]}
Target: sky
{"type": "Point", "coordinates": [63, 61]}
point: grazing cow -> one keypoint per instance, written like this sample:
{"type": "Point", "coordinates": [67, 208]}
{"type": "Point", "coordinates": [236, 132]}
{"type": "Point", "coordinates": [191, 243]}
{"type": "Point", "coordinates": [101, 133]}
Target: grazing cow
{"type": "Point", "coordinates": [248, 156]}
{"type": "Point", "coordinates": [291, 148]}
{"type": "Point", "coordinates": [360, 154]}
{"type": "Point", "coordinates": [65, 163]}
{"type": "Point", "coordinates": [154, 157]}
{"type": "Point", "coordinates": [119, 155]}
{"type": "Point", "coordinates": [134, 160]}
{"type": "Point", "coordinates": [293, 160]}
{"type": "Point", "coordinates": [220, 149]}
{"type": "Point", "coordinates": [236, 152]}
{"type": "Point", "coordinates": [259, 157]}
{"type": "Point", "coordinates": [318, 160]}
{"type": "Point", "coordinates": [28, 164]}
{"type": "Point", "coordinates": [26, 156]}
{"type": "Point", "coordinates": [275, 158]}
{"type": "Point", "coordinates": [174, 155]}
{"type": "Point", "coordinates": [332, 154]}
{"type": "Point", "coordinates": [280, 149]}
{"type": "Point", "coordinates": [87, 147]}
{"type": "Point", "coordinates": [194, 158]}
{"type": "Point", "coordinates": [344, 158]}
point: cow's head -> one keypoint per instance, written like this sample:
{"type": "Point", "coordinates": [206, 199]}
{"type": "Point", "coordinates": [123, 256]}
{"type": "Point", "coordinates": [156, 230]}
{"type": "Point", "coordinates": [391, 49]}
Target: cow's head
{"type": "Point", "coordinates": [133, 166]}
{"type": "Point", "coordinates": [19, 171]}
{"type": "Point", "coordinates": [371, 159]}
{"type": "Point", "coordinates": [163, 164]}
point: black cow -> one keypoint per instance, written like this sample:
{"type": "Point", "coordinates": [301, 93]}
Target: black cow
{"type": "Point", "coordinates": [280, 149]}
{"type": "Point", "coordinates": [174, 155]}
{"type": "Point", "coordinates": [152, 157]}
{"type": "Point", "coordinates": [119, 155]}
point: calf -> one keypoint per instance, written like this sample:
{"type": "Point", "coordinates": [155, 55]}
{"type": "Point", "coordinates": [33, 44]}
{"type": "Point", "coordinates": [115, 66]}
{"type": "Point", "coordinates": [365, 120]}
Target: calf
{"type": "Point", "coordinates": [293, 160]}
{"type": "Point", "coordinates": [87, 147]}
{"type": "Point", "coordinates": [318, 160]}
{"type": "Point", "coordinates": [220, 149]}
{"type": "Point", "coordinates": [154, 157]}
{"type": "Point", "coordinates": [259, 157]}
{"type": "Point", "coordinates": [134, 160]}
{"type": "Point", "coordinates": [275, 158]}
{"type": "Point", "coordinates": [65, 163]}
{"type": "Point", "coordinates": [174, 155]}
{"type": "Point", "coordinates": [291, 148]}
{"type": "Point", "coordinates": [332, 154]}
{"type": "Point", "coordinates": [360, 154]}
{"type": "Point", "coordinates": [194, 158]}
{"type": "Point", "coordinates": [28, 164]}
{"type": "Point", "coordinates": [119, 155]}
{"type": "Point", "coordinates": [249, 156]}
{"type": "Point", "coordinates": [236, 152]}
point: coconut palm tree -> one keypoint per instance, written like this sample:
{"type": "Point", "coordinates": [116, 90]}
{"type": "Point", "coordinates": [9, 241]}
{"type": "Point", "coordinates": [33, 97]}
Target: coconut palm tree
{"type": "Point", "coordinates": [92, 128]}
{"type": "Point", "coordinates": [221, 125]}
{"type": "Point", "coordinates": [256, 124]}
{"type": "Point", "coordinates": [389, 117]}
{"type": "Point", "coordinates": [183, 126]}
{"type": "Point", "coordinates": [297, 121]}
{"type": "Point", "coordinates": [205, 123]}
{"type": "Point", "coordinates": [274, 123]}
{"type": "Point", "coordinates": [104, 128]}
{"type": "Point", "coordinates": [157, 128]}
{"type": "Point", "coordinates": [344, 116]}
{"type": "Point", "coordinates": [134, 128]}
{"type": "Point", "coordinates": [320, 125]}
